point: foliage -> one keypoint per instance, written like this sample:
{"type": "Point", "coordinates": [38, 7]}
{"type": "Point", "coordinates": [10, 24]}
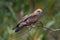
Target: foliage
{"type": "Point", "coordinates": [11, 11]}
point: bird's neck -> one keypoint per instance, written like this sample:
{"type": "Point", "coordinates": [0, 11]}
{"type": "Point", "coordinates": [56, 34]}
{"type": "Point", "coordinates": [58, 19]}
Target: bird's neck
{"type": "Point", "coordinates": [36, 13]}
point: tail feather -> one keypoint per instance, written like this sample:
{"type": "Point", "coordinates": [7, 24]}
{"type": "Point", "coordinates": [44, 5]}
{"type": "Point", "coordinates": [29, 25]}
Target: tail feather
{"type": "Point", "coordinates": [19, 27]}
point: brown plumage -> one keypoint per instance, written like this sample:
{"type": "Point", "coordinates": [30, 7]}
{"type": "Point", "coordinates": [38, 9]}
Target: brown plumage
{"type": "Point", "coordinates": [28, 20]}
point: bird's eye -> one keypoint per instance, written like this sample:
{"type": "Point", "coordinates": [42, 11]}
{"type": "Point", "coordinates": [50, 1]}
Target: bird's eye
{"type": "Point", "coordinates": [38, 11]}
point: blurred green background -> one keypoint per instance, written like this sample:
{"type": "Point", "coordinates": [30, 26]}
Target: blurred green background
{"type": "Point", "coordinates": [11, 11]}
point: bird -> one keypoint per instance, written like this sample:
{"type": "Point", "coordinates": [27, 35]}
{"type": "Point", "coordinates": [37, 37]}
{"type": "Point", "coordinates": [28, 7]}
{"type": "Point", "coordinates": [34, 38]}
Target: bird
{"type": "Point", "coordinates": [29, 19]}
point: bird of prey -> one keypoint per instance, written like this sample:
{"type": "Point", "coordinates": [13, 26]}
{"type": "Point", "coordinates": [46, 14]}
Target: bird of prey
{"type": "Point", "coordinates": [28, 20]}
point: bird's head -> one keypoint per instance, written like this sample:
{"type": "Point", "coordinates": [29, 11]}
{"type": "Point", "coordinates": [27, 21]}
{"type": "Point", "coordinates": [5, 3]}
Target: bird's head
{"type": "Point", "coordinates": [39, 11]}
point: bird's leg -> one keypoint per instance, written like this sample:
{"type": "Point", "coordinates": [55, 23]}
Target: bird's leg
{"type": "Point", "coordinates": [40, 24]}
{"type": "Point", "coordinates": [29, 27]}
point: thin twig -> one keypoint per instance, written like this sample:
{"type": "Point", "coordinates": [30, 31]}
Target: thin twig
{"type": "Point", "coordinates": [51, 29]}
